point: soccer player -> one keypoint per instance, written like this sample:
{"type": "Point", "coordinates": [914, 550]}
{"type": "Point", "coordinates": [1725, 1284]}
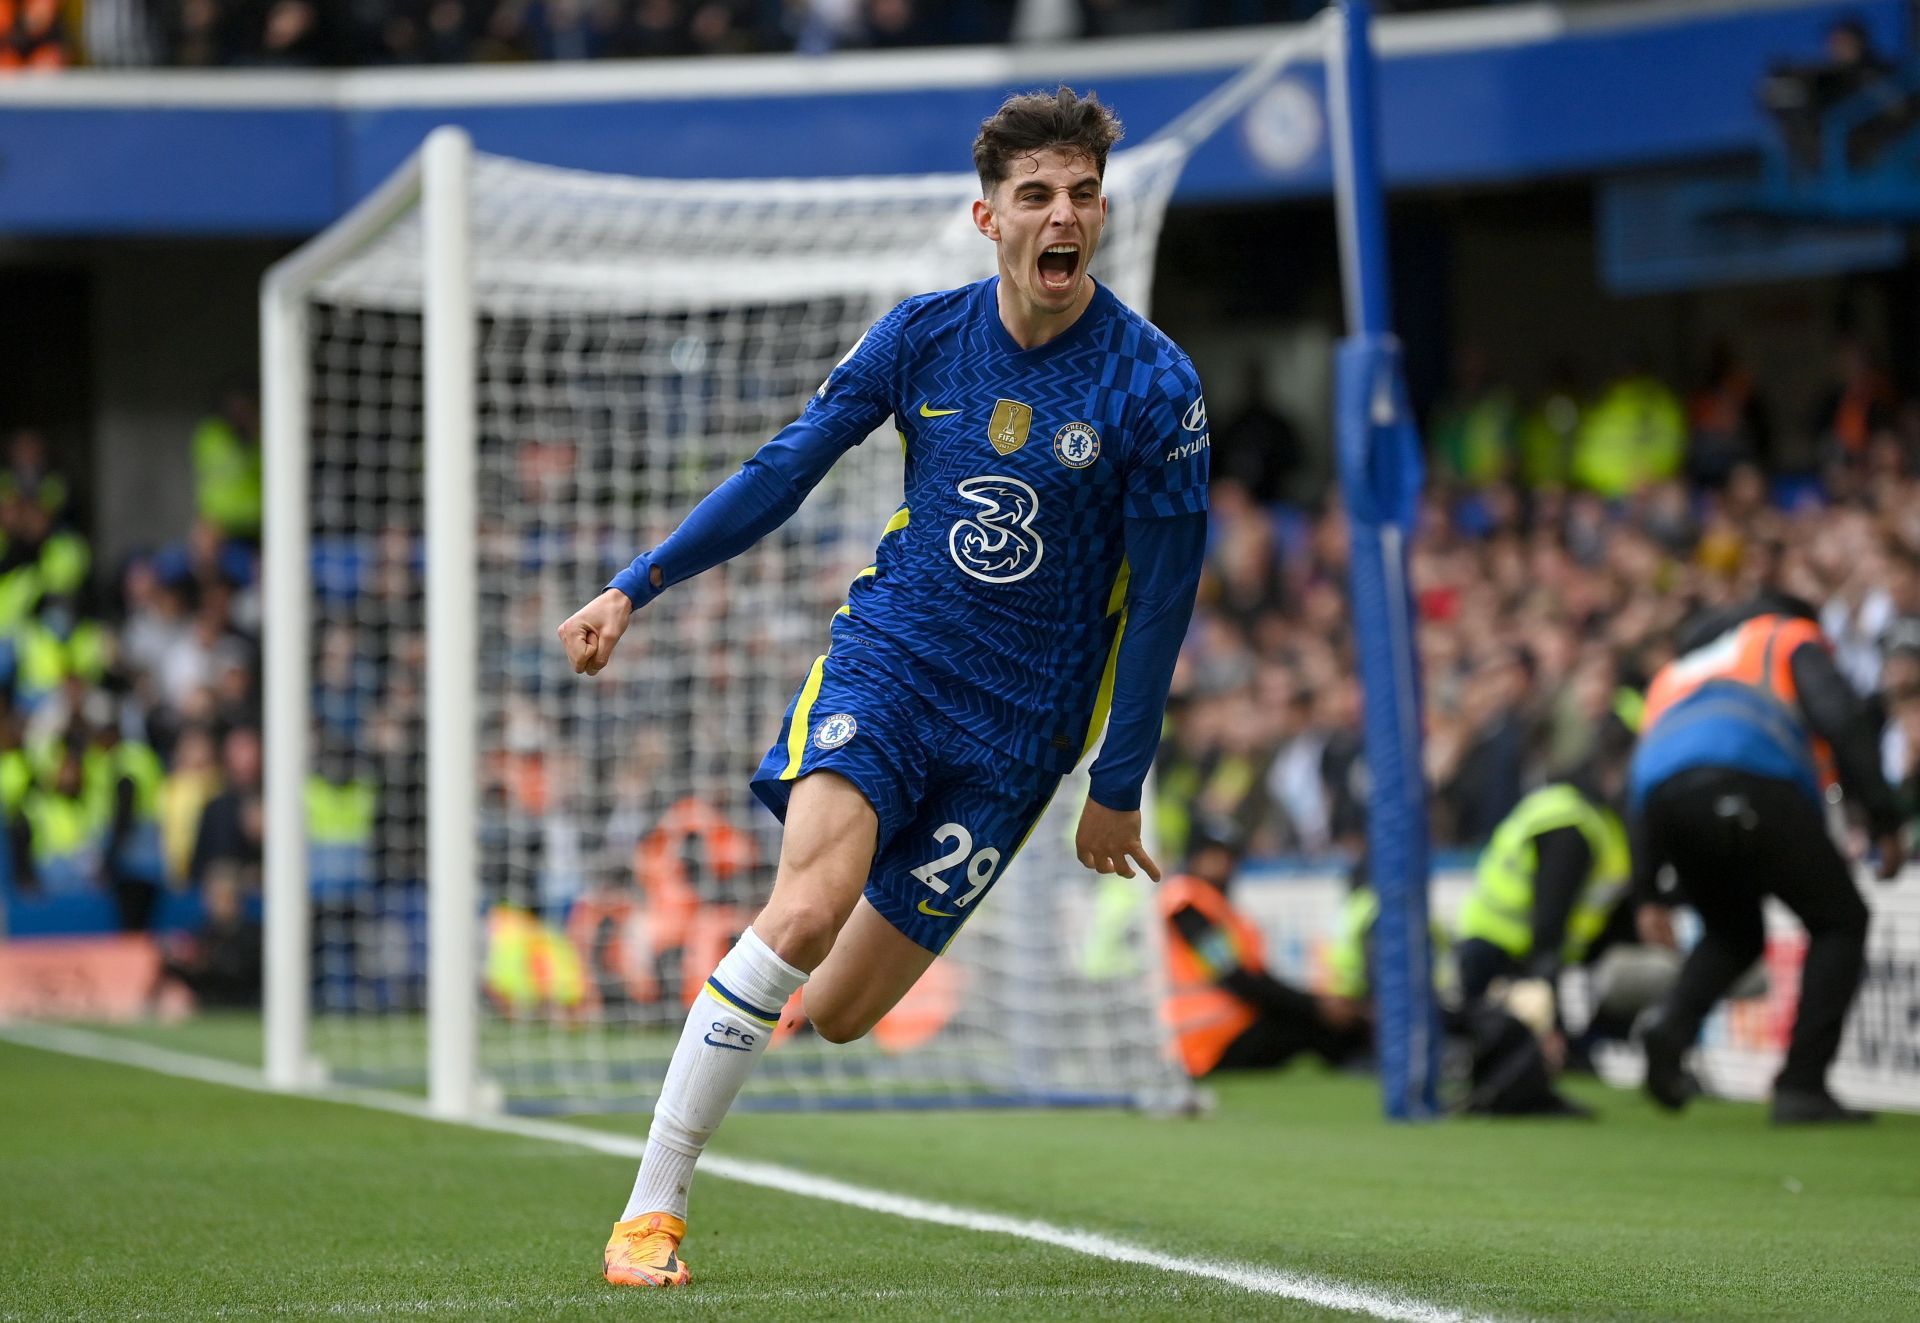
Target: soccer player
{"type": "Point", "coordinates": [1040, 571]}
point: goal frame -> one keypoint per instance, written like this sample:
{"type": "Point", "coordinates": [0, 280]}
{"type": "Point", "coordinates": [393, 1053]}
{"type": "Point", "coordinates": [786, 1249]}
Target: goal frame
{"type": "Point", "coordinates": [436, 181]}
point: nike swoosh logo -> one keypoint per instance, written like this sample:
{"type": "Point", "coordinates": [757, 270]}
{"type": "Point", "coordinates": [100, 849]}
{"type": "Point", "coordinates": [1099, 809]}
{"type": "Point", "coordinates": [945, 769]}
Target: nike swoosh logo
{"type": "Point", "coordinates": [721, 1042]}
{"type": "Point", "coordinates": [925, 908]}
{"type": "Point", "coordinates": [926, 412]}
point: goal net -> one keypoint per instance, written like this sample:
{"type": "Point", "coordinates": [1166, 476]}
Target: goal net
{"type": "Point", "coordinates": [527, 924]}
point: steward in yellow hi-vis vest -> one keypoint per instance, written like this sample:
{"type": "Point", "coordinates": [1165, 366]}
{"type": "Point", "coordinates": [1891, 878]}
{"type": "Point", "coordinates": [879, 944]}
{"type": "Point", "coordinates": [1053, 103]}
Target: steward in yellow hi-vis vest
{"type": "Point", "coordinates": [226, 465]}
{"type": "Point", "coordinates": [1551, 885]}
{"type": "Point", "coordinates": [122, 783]}
{"type": "Point", "coordinates": [1499, 1067]}
{"type": "Point", "coordinates": [1227, 1012]}
{"type": "Point", "coordinates": [58, 836]}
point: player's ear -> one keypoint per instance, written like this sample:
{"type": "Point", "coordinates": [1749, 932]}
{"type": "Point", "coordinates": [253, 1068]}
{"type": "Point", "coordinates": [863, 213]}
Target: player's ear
{"type": "Point", "coordinates": [983, 220]}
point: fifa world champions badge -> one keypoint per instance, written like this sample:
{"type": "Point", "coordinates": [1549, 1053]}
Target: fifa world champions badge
{"type": "Point", "coordinates": [835, 731]}
{"type": "Point", "coordinates": [1008, 427]}
{"type": "Point", "coordinates": [1076, 445]}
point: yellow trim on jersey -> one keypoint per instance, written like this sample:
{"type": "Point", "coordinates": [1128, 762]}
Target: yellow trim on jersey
{"type": "Point", "coordinates": [1117, 599]}
{"type": "Point", "coordinates": [1103, 701]}
{"type": "Point", "coordinates": [731, 1004]}
{"type": "Point", "coordinates": [797, 732]}
{"type": "Point", "coordinates": [901, 518]}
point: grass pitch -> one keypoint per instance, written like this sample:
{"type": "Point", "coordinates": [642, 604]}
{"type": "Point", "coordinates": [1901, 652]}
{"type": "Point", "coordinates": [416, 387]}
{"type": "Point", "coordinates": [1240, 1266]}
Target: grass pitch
{"type": "Point", "coordinates": [125, 1194]}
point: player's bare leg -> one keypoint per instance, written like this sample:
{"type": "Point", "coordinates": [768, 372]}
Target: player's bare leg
{"type": "Point", "coordinates": [825, 856]}
{"type": "Point", "coordinates": [871, 967]}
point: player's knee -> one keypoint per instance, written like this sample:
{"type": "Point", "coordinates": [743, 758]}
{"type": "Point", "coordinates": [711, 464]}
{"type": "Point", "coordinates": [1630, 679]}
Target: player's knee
{"type": "Point", "coordinates": [801, 932]}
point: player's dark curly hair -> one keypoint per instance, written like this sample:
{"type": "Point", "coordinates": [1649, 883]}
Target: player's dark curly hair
{"type": "Point", "coordinates": [1036, 121]}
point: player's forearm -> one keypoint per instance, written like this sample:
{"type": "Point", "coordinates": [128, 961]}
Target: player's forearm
{"type": "Point", "coordinates": [1166, 556]}
{"type": "Point", "coordinates": [739, 512]}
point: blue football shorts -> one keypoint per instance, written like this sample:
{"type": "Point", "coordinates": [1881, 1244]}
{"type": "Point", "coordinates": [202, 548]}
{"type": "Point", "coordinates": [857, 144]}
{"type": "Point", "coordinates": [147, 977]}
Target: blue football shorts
{"type": "Point", "coordinates": [952, 811]}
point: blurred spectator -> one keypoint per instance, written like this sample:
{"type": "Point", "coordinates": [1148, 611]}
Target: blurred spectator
{"type": "Point", "coordinates": [1548, 431]}
{"type": "Point", "coordinates": [1727, 420]}
{"type": "Point", "coordinates": [37, 559]}
{"type": "Point", "coordinates": [221, 963]}
{"type": "Point", "coordinates": [56, 644]}
{"type": "Point", "coordinates": [28, 476]}
{"type": "Point", "coordinates": [1472, 433]}
{"type": "Point", "coordinates": [448, 34]}
{"type": "Point", "coordinates": [120, 34]}
{"type": "Point", "coordinates": [205, 560]}
{"type": "Point", "coordinates": [819, 26]}
{"type": "Point", "coordinates": [1799, 96]}
{"type": "Point", "coordinates": [1258, 447]}
{"type": "Point", "coordinates": [33, 35]}
{"type": "Point", "coordinates": [1859, 403]}
{"type": "Point", "coordinates": [719, 27]}
{"type": "Point", "coordinates": [1635, 434]}
{"type": "Point", "coordinates": [292, 34]}
{"type": "Point", "coordinates": [201, 34]}
{"type": "Point", "coordinates": [1484, 784]}
{"type": "Point", "coordinates": [123, 784]}
{"type": "Point", "coordinates": [890, 24]}
{"type": "Point", "coordinates": [571, 29]}
{"type": "Point", "coordinates": [190, 785]}
{"type": "Point", "coordinates": [56, 839]}
{"type": "Point", "coordinates": [226, 444]}
{"type": "Point", "coordinates": [233, 826]}
{"type": "Point", "coordinates": [191, 662]}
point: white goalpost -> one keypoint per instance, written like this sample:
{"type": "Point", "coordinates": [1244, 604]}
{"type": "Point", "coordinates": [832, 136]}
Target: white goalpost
{"type": "Point", "coordinates": [485, 389]}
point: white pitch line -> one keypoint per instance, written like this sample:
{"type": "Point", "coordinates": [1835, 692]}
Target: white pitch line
{"type": "Point", "coordinates": [1323, 1292]}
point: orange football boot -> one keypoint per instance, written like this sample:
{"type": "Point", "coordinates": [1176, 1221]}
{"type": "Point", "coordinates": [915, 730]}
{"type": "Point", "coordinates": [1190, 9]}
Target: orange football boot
{"type": "Point", "coordinates": [645, 1251]}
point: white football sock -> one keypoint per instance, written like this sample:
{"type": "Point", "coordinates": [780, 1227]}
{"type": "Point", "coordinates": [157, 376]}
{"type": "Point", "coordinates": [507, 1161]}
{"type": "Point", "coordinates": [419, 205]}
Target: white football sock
{"type": "Point", "coordinates": [727, 1029]}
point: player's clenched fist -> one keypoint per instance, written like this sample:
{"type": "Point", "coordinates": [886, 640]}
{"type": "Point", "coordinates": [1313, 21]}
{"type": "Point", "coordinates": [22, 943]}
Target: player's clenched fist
{"type": "Point", "coordinates": [590, 633]}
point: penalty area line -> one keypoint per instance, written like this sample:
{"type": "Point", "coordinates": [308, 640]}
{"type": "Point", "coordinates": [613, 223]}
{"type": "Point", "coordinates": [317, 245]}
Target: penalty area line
{"type": "Point", "coordinates": [1254, 1278]}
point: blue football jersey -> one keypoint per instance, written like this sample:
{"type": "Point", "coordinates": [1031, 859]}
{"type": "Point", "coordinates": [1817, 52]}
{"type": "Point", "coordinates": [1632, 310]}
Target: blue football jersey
{"type": "Point", "coordinates": [998, 590]}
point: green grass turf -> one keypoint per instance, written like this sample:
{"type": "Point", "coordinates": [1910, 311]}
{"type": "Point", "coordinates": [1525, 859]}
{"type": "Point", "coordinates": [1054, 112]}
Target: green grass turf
{"type": "Point", "coordinates": [130, 1194]}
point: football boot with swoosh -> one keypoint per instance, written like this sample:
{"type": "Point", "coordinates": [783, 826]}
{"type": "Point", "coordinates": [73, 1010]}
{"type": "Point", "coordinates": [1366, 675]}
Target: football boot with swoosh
{"type": "Point", "coordinates": [645, 1251]}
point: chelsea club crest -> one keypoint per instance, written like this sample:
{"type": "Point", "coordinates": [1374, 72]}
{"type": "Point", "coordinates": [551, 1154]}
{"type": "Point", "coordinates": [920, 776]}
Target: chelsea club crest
{"type": "Point", "coordinates": [1076, 445]}
{"type": "Point", "coordinates": [835, 731]}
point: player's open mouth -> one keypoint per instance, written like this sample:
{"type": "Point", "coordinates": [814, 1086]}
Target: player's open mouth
{"type": "Point", "coordinates": [1058, 266]}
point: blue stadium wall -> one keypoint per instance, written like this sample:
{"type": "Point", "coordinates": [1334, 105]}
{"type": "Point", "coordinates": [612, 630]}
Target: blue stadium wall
{"type": "Point", "coordinates": [1485, 96]}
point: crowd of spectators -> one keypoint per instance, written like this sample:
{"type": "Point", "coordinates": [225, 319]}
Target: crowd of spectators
{"type": "Point", "coordinates": [1561, 540]}
{"type": "Point", "coordinates": [130, 743]}
{"type": "Point", "coordinates": [199, 34]}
